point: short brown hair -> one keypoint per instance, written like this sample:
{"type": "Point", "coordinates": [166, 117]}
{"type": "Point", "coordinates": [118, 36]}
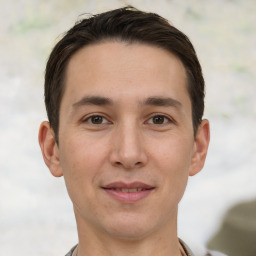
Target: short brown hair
{"type": "Point", "coordinates": [128, 25]}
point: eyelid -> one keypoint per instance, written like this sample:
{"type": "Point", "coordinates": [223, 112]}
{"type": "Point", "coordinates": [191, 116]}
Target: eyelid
{"type": "Point", "coordinates": [87, 117]}
{"type": "Point", "coordinates": [170, 119]}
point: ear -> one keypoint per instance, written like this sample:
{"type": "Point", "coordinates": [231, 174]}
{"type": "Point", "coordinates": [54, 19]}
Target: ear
{"type": "Point", "coordinates": [200, 147]}
{"type": "Point", "coordinates": [49, 148]}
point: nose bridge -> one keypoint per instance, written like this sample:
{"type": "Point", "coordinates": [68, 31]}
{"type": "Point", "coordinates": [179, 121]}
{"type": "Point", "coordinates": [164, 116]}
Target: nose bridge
{"type": "Point", "coordinates": [128, 149]}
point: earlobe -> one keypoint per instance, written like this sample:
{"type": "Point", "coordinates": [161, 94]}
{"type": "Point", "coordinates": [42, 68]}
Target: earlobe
{"type": "Point", "coordinates": [49, 149]}
{"type": "Point", "coordinates": [200, 147]}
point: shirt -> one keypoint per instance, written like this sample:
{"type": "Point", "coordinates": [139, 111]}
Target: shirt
{"type": "Point", "coordinates": [184, 248]}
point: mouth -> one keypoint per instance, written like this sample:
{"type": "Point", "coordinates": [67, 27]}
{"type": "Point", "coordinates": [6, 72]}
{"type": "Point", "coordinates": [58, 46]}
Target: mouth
{"type": "Point", "coordinates": [128, 192]}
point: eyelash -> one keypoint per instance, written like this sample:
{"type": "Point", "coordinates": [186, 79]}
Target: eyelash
{"type": "Point", "coordinates": [167, 120]}
{"type": "Point", "coordinates": [87, 119]}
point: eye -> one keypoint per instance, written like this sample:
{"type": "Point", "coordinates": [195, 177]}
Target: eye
{"type": "Point", "coordinates": [159, 119]}
{"type": "Point", "coordinates": [96, 119]}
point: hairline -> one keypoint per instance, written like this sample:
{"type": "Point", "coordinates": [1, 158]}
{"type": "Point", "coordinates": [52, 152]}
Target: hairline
{"type": "Point", "coordinates": [128, 41]}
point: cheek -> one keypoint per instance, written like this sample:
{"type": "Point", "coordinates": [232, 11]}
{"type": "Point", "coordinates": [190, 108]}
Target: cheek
{"type": "Point", "coordinates": [173, 159]}
{"type": "Point", "coordinates": [82, 152]}
{"type": "Point", "coordinates": [175, 154]}
{"type": "Point", "coordinates": [80, 161]}
{"type": "Point", "coordinates": [81, 168]}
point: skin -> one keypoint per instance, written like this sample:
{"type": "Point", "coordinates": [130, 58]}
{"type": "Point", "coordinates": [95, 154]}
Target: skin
{"type": "Point", "coordinates": [143, 133]}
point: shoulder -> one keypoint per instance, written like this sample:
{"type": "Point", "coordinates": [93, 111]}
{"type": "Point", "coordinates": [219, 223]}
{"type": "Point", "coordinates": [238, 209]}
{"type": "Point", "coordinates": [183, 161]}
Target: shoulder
{"type": "Point", "coordinates": [70, 253]}
{"type": "Point", "coordinates": [214, 253]}
{"type": "Point", "coordinates": [204, 252]}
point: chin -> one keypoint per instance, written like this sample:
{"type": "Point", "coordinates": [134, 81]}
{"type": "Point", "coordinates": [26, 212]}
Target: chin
{"type": "Point", "coordinates": [129, 234]}
{"type": "Point", "coordinates": [131, 228]}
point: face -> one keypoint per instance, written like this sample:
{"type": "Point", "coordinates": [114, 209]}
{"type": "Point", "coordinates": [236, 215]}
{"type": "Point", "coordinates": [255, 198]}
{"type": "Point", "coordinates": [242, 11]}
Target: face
{"type": "Point", "coordinates": [126, 141]}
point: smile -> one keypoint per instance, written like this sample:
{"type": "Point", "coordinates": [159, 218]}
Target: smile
{"type": "Point", "coordinates": [128, 192]}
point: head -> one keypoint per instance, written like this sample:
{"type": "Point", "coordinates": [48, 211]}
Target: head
{"type": "Point", "coordinates": [127, 25]}
{"type": "Point", "coordinates": [124, 95]}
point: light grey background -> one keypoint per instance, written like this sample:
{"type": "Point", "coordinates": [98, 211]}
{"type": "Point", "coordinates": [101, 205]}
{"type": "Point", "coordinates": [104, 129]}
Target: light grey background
{"type": "Point", "coordinates": [36, 216]}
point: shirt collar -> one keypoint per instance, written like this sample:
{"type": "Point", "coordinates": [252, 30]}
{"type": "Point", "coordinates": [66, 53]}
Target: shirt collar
{"type": "Point", "coordinates": [182, 243]}
{"type": "Point", "coordinates": [186, 248]}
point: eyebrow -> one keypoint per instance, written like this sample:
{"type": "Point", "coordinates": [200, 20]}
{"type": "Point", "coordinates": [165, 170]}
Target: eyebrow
{"type": "Point", "coordinates": [162, 102]}
{"type": "Point", "coordinates": [93, 100]}
{"type": "Point", "coordinates": [151, 101]}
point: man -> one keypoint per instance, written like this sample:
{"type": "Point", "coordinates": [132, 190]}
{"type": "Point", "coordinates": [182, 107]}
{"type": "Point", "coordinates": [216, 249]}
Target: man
{"type": "Point", "coordinates": [124, 94]}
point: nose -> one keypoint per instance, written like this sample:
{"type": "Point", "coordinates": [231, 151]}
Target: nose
{"type": "Point", "coordinates": [128, 149]}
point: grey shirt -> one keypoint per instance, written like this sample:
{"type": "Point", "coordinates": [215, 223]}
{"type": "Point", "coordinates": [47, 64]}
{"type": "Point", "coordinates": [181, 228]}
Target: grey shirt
{"type": "Point", "coordinates": [185, 247]}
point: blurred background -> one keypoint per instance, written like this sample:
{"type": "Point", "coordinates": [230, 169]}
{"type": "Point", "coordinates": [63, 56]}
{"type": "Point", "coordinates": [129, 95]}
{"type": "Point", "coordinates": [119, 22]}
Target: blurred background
{"type": "Point", "coordinates": [36, 215]}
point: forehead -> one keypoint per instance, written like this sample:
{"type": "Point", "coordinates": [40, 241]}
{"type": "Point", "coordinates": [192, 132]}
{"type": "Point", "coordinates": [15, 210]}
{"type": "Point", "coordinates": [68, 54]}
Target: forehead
{"type": "Point", "coordinates": [118, 69]}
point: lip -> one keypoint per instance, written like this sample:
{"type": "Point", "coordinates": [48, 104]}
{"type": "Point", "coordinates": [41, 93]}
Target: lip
{"type": "Point", "coordinates": [132, 185]}
{"type": "Point", "coordinates": [128, 197]}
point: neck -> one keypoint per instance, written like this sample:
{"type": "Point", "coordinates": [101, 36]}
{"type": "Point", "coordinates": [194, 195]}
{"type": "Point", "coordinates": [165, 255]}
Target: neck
{"type": "Point", "coordinates": [93, 241]}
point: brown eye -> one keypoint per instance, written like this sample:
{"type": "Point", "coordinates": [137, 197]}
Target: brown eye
{"type": "Point", "coordinates": [158, 119]}
{"type": "Point", "coordinates": [96, 119]}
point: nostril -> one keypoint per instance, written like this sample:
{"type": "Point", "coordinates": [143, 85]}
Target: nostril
{"type": "Point", "coordinates": [128, 165]}
{"type": "Point", "coordinates": [127, 160]}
